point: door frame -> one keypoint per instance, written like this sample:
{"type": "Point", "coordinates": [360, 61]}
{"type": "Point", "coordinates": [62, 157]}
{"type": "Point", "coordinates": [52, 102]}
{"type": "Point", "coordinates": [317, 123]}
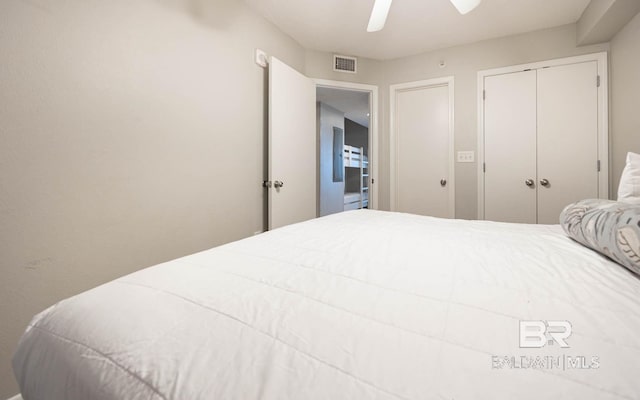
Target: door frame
{"type": "Point", "coordinates": [373, 129]}
{"type": "Point", "coordinates": [603, 115]}
{"type": "Point", "coordinates": [393, 137]}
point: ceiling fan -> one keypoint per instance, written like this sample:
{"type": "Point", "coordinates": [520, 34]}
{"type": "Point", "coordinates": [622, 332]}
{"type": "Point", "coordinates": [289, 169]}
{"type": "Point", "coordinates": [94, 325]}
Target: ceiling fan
{"type": "Point", "coordinates": [381, 9]}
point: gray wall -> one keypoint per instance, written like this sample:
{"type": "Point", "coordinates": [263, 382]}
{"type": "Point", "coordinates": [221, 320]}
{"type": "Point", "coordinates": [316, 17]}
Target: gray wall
{"type": "Point", "coordinates": [356, 135]}
{"type": "Point", "coordinates": [462, 62]}
{"type": "Point", "coordinates": [625, 97]}
{"type": "Point", "coordinates": [130, 133]}
{"type": "Point", "coordinates": [331, 193]}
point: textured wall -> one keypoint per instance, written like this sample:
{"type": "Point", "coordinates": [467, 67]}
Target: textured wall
{"type": "Point", "coordinates": [130, 133]}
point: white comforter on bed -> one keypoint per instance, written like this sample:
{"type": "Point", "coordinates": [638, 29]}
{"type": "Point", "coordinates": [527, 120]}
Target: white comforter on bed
{"type": "Point", "coordinates": [359, 305]}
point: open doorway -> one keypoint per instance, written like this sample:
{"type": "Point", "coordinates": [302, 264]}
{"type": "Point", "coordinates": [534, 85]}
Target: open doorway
{"type": "Point", "coordinates": [345, 160]}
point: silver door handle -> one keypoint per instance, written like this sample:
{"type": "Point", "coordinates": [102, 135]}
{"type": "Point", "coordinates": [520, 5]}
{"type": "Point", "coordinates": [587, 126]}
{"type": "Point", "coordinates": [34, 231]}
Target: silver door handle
{"type": "Point", "coordinates": [544, 182]}
{"type": "Point", "coordinates": [443, 182]}
{"type": "Point", "coordinates": [529, 182]}
{"type": "Point", "coordinates": [278, 184]}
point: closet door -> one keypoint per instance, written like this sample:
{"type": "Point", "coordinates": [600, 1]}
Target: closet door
{"type": "Point", "coordinates": [422, 151]}
{"type": "Point", "coordinates": [567, 137]}
{"type": "Point", "coordinates": [510, 147]}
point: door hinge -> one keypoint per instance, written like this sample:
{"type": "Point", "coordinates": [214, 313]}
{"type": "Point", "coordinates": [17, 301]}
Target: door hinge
{"type": "Point", "coordinates": [598, 165]}
{"type": "Point", "coordinates": [373, 181]}
{"type": "Point", "coordinates": [484, 167]}
{"type": "Point", "coordinates": [598, 81]}
{"type": "Point", "coordinates": [484, 95]}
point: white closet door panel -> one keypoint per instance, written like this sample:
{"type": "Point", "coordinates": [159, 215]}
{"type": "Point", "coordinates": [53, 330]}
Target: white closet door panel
{"type": "Point", "coordinates": [567, 137]}
{"type": "Point", "coordinates": [292, 145]}
{"type": "Point", "coordinates": [510, 147]}
{"type": "Point", "coordinates": [422, 137]}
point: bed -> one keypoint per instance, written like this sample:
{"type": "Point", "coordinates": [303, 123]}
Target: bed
{"type": "Point", "coordinates": [356, 194]}
{"type": "Point", "coordinates": [356, 200]}
{"type": "Point", "coordinates": [359, 305]}
{"type": "Point", "coordinates": [354, 157]}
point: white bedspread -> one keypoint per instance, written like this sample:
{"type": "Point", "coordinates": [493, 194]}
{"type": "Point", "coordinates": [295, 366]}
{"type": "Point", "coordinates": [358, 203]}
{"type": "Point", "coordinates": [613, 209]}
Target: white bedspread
{"type": "Point", "coordinates": [358, 305]}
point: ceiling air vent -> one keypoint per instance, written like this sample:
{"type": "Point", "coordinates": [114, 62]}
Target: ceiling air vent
{"type": "Point", "coordinates": [345, 64]}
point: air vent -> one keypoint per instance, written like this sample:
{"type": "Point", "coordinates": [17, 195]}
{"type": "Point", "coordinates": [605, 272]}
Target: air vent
{"type": "Point", "coordinates": [345, 64]}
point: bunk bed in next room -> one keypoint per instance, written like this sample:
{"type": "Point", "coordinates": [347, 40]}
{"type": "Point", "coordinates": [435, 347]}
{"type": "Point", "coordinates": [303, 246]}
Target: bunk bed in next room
{"type": "Point", "coordinates": [356, 193]}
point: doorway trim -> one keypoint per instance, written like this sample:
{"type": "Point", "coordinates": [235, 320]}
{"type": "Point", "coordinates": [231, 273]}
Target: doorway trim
{"type": "Point", "coordinates": [603, 116]}
{"type": "Point", "coordinates": [393, 137]}
{"type": "Point", "coordinates": [373, 129]}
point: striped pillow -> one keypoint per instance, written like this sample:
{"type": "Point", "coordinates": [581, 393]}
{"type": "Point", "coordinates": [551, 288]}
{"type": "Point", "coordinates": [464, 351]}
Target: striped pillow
{"type": "Point", "coordinates": [609, 227]}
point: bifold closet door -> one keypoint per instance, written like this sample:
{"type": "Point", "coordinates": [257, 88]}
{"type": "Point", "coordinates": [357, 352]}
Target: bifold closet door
{"type": "Point", "coordinates": [422, 151]}
{"type": "Point", "coordinates": [567, 137]}
{"type": "Point", "coordinates": [510, 147]}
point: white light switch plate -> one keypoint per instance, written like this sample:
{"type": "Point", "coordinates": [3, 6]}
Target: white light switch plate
{"type": "Point", "coordinates": [466, 156]}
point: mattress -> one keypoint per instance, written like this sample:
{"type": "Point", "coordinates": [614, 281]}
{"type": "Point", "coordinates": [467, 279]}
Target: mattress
{"type": "Point", "coordinates": [358, 305]}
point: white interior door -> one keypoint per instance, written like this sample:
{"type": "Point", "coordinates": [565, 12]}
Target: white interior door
{"type": "Point", "coordinates": [567, 137]}
{"type": "Point", "coordinates": [510, 147]}
{"type": "Point", "coordinates": [423, 133]}
{"type": "Point", "coordinates": [292, 146]}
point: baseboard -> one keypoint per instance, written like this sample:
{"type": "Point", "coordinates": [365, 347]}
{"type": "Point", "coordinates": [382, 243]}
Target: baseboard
{"type": "Point", "coordinates": [16, 397]}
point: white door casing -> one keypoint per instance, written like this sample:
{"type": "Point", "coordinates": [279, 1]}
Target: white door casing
{"type": "Point", "coordinates": [510, 144]}
{"type": "Point", "coordinates": [422, 147]}
{"type": "Point", "coordinates": [292, 146]}
{"type": "Point", "coordinates": [373, 130]}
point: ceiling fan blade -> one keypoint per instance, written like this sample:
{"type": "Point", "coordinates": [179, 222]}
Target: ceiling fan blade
{"type": "Point", "coordinates": [379, 15]}
{"type": "Point", "coordinates": [464, 6]}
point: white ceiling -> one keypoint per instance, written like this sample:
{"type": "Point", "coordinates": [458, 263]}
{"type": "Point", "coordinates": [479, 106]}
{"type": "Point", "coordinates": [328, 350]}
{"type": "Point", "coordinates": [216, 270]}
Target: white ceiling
{"type": "Point", "coordinates": [354, 105]}
{"type": "Point", "coordinates": [413, 26]}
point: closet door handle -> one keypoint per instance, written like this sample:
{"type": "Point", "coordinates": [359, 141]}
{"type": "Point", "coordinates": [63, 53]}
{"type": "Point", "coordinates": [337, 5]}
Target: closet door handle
{"type": "Point", "coordinates": [443, 182]}
{"type": "Point", "coordinates": [278, 184]}
{"type": "Point", "coordinates": [529, 182]}
{"type": "Point", "coordinates": [544, 182]}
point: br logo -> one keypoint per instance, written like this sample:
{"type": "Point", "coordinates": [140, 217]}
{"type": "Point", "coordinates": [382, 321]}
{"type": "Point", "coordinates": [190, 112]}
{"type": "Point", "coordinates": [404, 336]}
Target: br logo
{"type": "Point", "coordinates": [538, 333]}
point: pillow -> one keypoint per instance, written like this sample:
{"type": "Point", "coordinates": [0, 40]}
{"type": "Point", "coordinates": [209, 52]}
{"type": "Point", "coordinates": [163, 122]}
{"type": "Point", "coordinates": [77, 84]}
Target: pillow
{"type": "Point", "coordinates": [609, 227]}
{"type": "Point", "coordinates": [629, 188]}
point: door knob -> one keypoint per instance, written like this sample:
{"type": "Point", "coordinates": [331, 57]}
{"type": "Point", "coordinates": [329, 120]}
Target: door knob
{"type": "Point", "coordinates": [443, 182]}
{"type": "Point", "coordinates": [544, 182]}
{"type": "Point", "coordinates": [529, 182]}
{"type": "Point", "coordinates": [278, 184]}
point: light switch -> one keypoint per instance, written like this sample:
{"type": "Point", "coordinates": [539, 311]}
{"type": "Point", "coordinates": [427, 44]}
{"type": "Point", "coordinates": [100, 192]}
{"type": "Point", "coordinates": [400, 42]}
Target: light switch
{"type": "Point", "coordinates": [466, 156]}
